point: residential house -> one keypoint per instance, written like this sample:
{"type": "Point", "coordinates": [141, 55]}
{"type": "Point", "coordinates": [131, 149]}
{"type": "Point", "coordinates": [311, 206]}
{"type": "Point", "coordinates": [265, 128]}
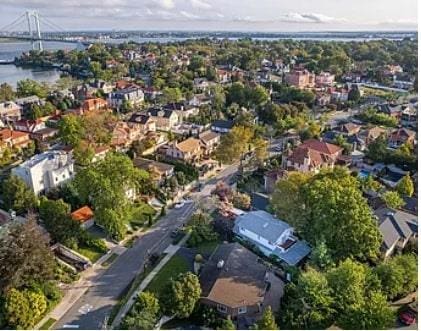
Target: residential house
{"type": "Point", "coordinates": [222, 126]}
{"type": "Point", "coordinates": [10, 111]}
{"type": "Point", "coordinates": [103, 85]}
{"type": "Point", "coordinates": [323, 99]}
{"type": "Point", "coordinates": [201, 84]}
{"type": "Point", "coordinates": [94, 104]}
{"type": "Point", "coordinates": [350, 129]}
{"type": "Point", "coordinates": [209, 140]}
{"type": "Point", "coordinates": [14, 139]}
{"type": "Point", "coordinates": [188, 150]}
{"type": "Point", "coordinates": [271, 177]}
{"type": "Point", "coordinates": [151, 93]}
{"type": "Point", "coordinates": [300, 78]}
{"type": "Point", "coordinates": [401, 136]}
{"type": "Point", "coordinates": [124, 134]}
{"type": "Point", "coordinates": [45, 171]}
{"type": "Point", "coordinates": [325, 79]}
{"type": "Point", "coordinates": [165, 119]}
{"type": "Point", "coordinates": [84, 216]}
{"type": "Point", "coordinates": [390, 109]}
{"type": "Point", "coordinates": [397, 228]}
{"type": "Point", "coordinates": [100, 152]}
{"type": "Point", "coordinates": [272, 236]}
{"type": "Point", "coordinates": [312, 155]}
{"type": "Point", "coordinates": [159, 171]}
{"type": "Point", "coordinates": [30, 126]}
{"type": "Point", "coordinates": [409, 118]}
{"type": "Point", "coordinates": [236, 284]}
{"type": "Point", "coordinates": [26, 103]}
{"type": "Point", "coordinates": [132, 96]}
{"type": "Point", "coordinates": [223, 76]}
{"type": "Point", "coordinates": [339, 94]}
{"type": "Point", "coordinates": [145, 122]}
{"type": "Point", "coordinates": [371, 134]}
{"type": "Point", "coordinates": [200, 100]}
{"type": "Point", "coordinates": [45, 134]}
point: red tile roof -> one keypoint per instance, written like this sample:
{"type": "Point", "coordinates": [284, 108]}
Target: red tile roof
{"type": "Point", "coordinates": [82, 214]}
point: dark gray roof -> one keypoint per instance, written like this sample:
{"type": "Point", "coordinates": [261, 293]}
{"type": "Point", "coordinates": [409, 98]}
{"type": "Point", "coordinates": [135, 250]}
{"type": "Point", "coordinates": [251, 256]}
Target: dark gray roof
{"type": "Point", "coordinates": [139, 118]}
{"type": "Point", "coordinates": [259, 201]}
{"type": "Point", "coordinates": [294, 254]}
{"type": "Point", "coordinates": [395, 224]}
{"type": "Point", "coordinates": [157, 112]}
{"type": "Point", "coordinates": [263, 224]}
{"type": "Point", "coordinates": [240, 264]}
{"type": "Point", "coordinates": [226, 124]}
{"type": "Point", "coordinates": [411, 205]}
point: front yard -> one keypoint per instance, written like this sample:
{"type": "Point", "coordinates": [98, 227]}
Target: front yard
{"type": "Point", "coordinates": [141, 214]}
{"type": "Point", "coordinates": [176, 265]}
{"type": "Point", "coordinates": [91, 253]}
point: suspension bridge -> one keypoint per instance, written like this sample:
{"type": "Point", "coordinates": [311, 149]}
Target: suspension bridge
{"type": "Point", "coordinates": [28, 27]}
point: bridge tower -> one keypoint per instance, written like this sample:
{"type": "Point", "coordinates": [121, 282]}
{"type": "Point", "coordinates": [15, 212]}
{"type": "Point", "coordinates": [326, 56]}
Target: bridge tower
{"type": "Point", "coordinates": [32, 18]}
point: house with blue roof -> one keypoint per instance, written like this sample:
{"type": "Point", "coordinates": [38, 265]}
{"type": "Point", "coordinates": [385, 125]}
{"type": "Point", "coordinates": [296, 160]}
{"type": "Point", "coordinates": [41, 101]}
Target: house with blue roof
{"type": "Point", "coordinates": [272, 236]}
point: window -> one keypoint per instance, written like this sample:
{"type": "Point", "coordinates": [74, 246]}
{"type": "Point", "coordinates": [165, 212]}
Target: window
{"type": "Point", "coordinates": [221, 308]}
{"type": "Point", "coordinates": [242, 310]}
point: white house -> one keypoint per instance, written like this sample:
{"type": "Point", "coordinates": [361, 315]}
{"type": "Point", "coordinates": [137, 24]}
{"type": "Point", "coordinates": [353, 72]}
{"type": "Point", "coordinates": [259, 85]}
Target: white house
{"type": "Point", "coordinates": [134, 96]}
{"type": "Point", "coordinates": [45, 171]}
{"type": "Point", "coordinates": [271, 235]}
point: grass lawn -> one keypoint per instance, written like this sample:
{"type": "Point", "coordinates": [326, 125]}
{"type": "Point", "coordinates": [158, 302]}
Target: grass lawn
{"type": "Point", "coordinates": [91, 254]}
{"type": "Point", "coordinates": [110, 260]}
{"type": "Point", "coordinates": [48, 324]}
{"type": "Point", "coordinates": [140, 214]}
{"type": "Point", "coordinates": [176, 265]}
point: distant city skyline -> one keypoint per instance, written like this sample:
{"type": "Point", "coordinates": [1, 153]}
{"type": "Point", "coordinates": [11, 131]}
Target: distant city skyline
{"type": "Point", "coordinates": [238, 15]}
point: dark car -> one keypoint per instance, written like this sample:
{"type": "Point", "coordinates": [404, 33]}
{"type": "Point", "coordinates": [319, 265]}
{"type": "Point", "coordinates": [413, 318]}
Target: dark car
{"type": "Point", "coordinates": [409, 315]}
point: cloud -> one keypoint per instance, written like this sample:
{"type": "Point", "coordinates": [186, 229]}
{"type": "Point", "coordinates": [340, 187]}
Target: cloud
{"type": "Point", "coordinates": [164, 4]}
{"type": "Point", "coordinates": [199, 4]}
{"type": "Point", "coordinates": [189, 16]}
{"type": "Point", "coordinates": [309, 18]}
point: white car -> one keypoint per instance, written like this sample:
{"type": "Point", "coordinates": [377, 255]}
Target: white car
{"type": "Point", "coordinates": [179, 205]}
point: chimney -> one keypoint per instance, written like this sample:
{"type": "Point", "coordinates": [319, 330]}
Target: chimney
{"type": "Point", "coordinates": [220, 264]}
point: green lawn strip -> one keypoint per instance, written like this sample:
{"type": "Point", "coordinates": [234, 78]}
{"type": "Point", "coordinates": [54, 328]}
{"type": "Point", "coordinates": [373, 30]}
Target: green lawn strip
{"type": "Point", "coordinates": [140, 214]}
{"type": "Point", "coordinates": [110, 260]}
{"type": "Point", "coordinates": [176, 265]}
{"type": "Point", "coordinates": [91, 254]}
{"type": "Point", "coordinates": [134, 284]}
{"type": "Point", "coordinates": [48, 324]}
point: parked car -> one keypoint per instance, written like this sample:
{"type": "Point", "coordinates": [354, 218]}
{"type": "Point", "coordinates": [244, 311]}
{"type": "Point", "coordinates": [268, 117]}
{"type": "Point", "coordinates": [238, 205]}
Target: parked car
{"type": "Point", "coordinates": [179, 205]}
{"type": "Point", "coordinates": [409, 315]}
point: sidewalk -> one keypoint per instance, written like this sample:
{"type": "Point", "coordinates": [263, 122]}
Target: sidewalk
{"type": "Point", "coordinates": [72, 292]}
{"type": "Point", "coordinates": [170, 251]}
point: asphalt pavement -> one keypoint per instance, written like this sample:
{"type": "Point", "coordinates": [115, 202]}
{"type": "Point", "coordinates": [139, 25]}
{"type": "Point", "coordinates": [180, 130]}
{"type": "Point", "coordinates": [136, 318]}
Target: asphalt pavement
{"type": "Point", "coordinates": [92, 310]}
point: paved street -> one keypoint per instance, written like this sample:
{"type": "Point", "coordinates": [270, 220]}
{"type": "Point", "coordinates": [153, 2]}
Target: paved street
{"type": "Point", "coordinates": [94, 307]}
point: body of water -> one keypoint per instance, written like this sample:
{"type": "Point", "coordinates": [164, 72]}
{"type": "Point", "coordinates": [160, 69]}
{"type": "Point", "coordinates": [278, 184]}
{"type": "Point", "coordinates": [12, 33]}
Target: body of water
{"type": "Point", "coordinates": [11, 74]}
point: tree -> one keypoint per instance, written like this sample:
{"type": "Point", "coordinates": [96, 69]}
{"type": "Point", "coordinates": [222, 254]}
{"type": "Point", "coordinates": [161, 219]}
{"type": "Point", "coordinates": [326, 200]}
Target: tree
{"type": "Point", "coordinates": [241, 201]}
{"type": "Point", "coordinates": [267, 322]}
{"type": "Point", "coordinates": [335, 211]}
{"type": "Point", "coordinates": [23, 309]}
{"type": "Point", "coordinates": [172, 95]}
{"type": "Point", "coordinates": [287, 199]}
{"type": "Point", "coordinates": [373, 314]}
{"type": "Point", "coordinates": [226, 324]}
{"type": "Point", "coordinates": [181, 294]}
{"type": "Point", "coordinates": [6, 92]}
{"type": "Point", "coordinates": [104, 184]}
{"type": "Point", "coordinates": [392, 199]}
{"type": "Point", "coordinates": [354, 94]}
{"type": "Point", "coordinates": [71, 130]}
{"type": "Point", "coordinates": [308, 304]}
{"type": "Point", "coordinates": [144, 313]}
{"type": "Point", "coordinates": [83, 153]}
{"type": "Point", "coordinates": [320, 256]}
{"type": "Point", "coordinates": [18, 196]}
{"type": "Point", "coordinates": [234, 144]}
{"type": "Point", "coordinates": [28, 87]}
{"type": "Point", "coordinates": [25, 248]}
{"type": "Point", "coordinates": [55, 215]}
{"type": "Point", "coordinates": [405, 186]}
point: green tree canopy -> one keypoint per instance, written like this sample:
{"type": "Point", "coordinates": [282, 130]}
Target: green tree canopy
{"type": "Point", "coordinates": [267, 322]}
{"type": "Point", "coordinates": [392, 199]}
{"type": "Point", "coordinates": [181, 295]}
{"type": "Point", "coordinates": [144, 313]}
{"type": "Point", "coordinates": [405, 186]}
{"type": "Point", "coordinates": [25, 248]}
{"type": "Point", "coordinates": [18, 196]}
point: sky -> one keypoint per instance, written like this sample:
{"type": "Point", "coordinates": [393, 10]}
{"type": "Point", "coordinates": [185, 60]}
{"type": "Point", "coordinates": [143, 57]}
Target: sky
{"type": "Point", "coordinates": [238, 15]}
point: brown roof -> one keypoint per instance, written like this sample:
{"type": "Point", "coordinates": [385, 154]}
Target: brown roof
{"type": "Point", "coordinates": [208, 135]}
{"type": "Point", "coordinates": [320, 146]}
{"type": "Point", "coordinates": [351, 127]}
{"type": "Point", "coordinates": [189, 145]}
{"type": "Point", "coordinates": [240, 281]}
{"type": "Point", "coordinates": [12, 134]}
{"type": "Point", "coordinates": [82, 214]}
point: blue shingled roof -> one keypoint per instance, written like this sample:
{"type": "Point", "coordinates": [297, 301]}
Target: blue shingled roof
{"type": "Point", "coordinates": [294, 254]}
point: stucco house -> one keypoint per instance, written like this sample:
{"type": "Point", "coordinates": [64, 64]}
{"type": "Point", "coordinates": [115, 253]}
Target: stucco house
{"type": "Point", "coordinates": [84, 216]}
{"type": "Point", "coordinates": [188, 150]}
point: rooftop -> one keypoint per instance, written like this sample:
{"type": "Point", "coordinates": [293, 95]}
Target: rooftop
{"type": "Point", "coordinates": [82, 214]}
{"type": "Point", "coordinates": [239, 282]}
